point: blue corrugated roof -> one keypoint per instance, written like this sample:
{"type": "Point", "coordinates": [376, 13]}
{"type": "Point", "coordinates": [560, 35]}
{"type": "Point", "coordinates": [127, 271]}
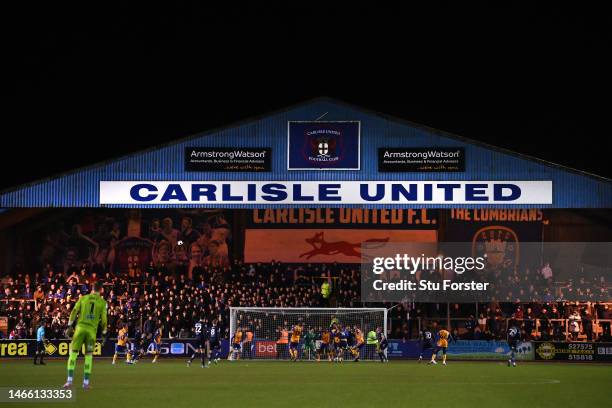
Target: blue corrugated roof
{"type": "Point", "coordinates": [80, 188]}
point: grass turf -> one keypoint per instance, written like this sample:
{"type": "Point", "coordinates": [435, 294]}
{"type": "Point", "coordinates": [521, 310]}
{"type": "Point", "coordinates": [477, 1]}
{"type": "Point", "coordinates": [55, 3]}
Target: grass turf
{"type": "Point", "coordinates": [169, 383]}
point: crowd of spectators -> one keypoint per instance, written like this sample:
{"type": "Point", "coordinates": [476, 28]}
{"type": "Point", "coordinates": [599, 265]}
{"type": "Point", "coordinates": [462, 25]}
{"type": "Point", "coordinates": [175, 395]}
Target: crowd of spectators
{"type": "Point", "coordinates": [155, 297]}
{"type": "Point", "coordinates": [559, 320]}
{"type": "Point", "coordinates": [157, 275]}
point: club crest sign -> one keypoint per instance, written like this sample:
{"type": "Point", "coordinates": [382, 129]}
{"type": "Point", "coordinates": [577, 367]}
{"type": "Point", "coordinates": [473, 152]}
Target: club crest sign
{"type": "Point", "coordinates": [324, 148]}
{"type": "Point", "coordinates": [323, 145]}
{"type": "Point", "coordinates": [499, 245]}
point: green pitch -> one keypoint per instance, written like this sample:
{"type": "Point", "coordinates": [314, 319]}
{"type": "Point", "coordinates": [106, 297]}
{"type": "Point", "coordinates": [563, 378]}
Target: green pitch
{"type": "Point", "coordinates": [170, 383]}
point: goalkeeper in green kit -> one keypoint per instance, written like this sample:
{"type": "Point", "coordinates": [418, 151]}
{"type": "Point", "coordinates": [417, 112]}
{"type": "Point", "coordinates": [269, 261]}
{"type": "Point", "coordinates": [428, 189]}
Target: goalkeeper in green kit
{"type": "Point", "coordinates": [309, 343]}
{"type": "Point", "coordinates": [89, 313]}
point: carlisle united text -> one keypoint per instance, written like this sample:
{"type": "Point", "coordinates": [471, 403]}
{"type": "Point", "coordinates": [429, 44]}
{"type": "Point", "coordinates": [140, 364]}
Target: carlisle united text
{"type": "Point", "coordinates": [325, 192]}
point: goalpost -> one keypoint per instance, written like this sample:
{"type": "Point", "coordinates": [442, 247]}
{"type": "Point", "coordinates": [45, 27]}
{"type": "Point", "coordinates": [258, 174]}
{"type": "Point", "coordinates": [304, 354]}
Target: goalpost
{"type": "Point", "coordinates": [269, 327]}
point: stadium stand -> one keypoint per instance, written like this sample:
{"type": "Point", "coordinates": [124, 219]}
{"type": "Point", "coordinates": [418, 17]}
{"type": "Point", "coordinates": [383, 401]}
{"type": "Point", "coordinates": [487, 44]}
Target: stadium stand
{"type": "Point", "coordinates": [187, 274]}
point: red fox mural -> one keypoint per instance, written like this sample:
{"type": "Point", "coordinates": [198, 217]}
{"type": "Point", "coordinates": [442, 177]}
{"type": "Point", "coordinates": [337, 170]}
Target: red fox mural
{"type": "Point", "coordinates": [322, 247]}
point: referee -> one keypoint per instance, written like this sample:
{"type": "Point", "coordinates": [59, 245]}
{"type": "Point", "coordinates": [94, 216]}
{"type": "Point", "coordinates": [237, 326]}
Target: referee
{"type": "Point", "coordinates": [40, 343]}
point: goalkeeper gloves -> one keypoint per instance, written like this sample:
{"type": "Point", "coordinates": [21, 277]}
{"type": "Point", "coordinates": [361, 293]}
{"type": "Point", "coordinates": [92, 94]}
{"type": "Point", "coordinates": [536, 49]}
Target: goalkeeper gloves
{"type": "Point", "coordinates": [69, 332]}
{"type": "Point", "coordinates": [104, 338]}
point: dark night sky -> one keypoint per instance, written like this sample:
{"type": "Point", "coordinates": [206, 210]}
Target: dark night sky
{"type": "Point", "coordinates": [88, 83]}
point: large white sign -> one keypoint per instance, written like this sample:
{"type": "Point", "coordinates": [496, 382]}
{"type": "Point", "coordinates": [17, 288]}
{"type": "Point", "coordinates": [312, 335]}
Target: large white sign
{"type": "Point", "coordinates": [325, 192]}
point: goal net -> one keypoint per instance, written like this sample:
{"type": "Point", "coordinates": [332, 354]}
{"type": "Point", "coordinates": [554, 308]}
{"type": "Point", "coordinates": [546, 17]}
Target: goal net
{"type": "Point", "coordinates": [261, 333]}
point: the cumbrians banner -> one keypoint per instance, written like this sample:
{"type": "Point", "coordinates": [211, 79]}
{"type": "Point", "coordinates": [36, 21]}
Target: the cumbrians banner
{"type": "Point", "coordinates": [497, 233]}
{"type": "Point", "coordinates": [331, 234]}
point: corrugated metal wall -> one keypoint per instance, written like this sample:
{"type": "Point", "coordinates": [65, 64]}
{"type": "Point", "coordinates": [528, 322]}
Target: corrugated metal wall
{"type": "Point", "coordinates": [81, 189]}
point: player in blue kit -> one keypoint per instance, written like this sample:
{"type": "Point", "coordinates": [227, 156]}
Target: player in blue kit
{"type": "Point", "coordinates": [343, 336]}
{"type": "Point", "coordinates": [381, 346]}
{"type": "Point", "coordinates": [214, 341]}
{"type": "Point", "coordinates": [201, 331]}
{"type": "Point", "coordinates": [137, 347]}
{"type": "Point", "coordinates": [427, 342]}
{"type": "Point", "coordinates": [513, 337]}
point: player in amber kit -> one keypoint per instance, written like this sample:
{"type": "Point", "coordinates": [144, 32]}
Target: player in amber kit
{"type": "Point", "coordinates": [324, 346]}
{"type": "Point", "coordinates": [442, 344]}
{"type": "Point", "coordinates": [359, 343]}
{"type": "Point", "coordinates": [335, 337]}
{"type": "Point", "coordinates": [237, 344]}
{"type": "Point", "coordinates": [157, 340]}
{"type": "Point", "coordinates": [294, 344]}
{"type": "Point", "coordinates": [122, 345]}
{"type": "Point", "coordinates": [89, 313]}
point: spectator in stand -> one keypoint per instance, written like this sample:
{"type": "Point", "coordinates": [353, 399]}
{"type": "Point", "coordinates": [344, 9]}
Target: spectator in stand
{"type": "Point", "coordinates": [116, 232]}
{"type": "Point", "coordinates": [169, 233]}
{"type": "Point", "coordinates": [215, 258]}
{"type": "Point", "coordinates": [492, 322]}
{"type": "Point", "coordinates": [154, 233]}
{"type": "Point", "coordinates": [477, 333]}
{"type": "Point", "coordinates": [574, 325]}
{"type": "Point", "coordinates": [529, 324]}
{"type": "Point", "coordinates": [547, 272]}
{"type": "Point", "coordinates": [27, 293]}
{"type": "Point", "coordinates": [544, 324]}
{"type": "Point", "coordinates": [196, 258]}
{"type": "Point", "coordinates": [7, 294]}
{"type": "Point", "coordinates": [102, 235]}
{"type": "Point", "coordinates": [221, 233]}
{"type": "Point", "coordinates": [162, 255]}
{"type": "Point", "coordinates": [149, 325]}
{"type": "Point", "coordinates": [482, 323]}
{"type": "Point", "coordinates": [518, 314]}
{"type": "Point", "coordinates": [188, 234]}
{"type": "Point", "coordinates": [587, 324]}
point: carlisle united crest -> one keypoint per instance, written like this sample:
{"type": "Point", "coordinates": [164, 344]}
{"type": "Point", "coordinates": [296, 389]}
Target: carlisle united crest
{"type": "Point", "coordinates": [323, 149]}
{"type": "Point", "coordinates": [499, 245]}
{"type": "Point", "coordinates": [323, 146]}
